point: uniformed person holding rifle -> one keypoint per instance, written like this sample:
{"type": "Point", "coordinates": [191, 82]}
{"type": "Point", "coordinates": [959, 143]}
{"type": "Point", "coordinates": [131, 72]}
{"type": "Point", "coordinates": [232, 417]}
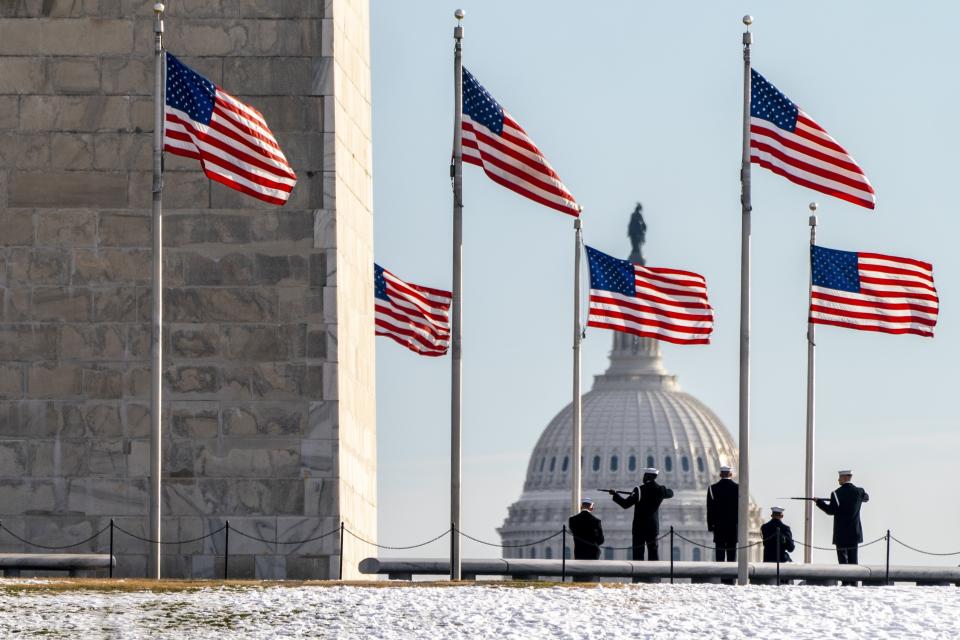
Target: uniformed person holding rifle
{"type": "Point", "coordinates": [844, 505]}
{"type": "Point", "coordinates": [645, 500]}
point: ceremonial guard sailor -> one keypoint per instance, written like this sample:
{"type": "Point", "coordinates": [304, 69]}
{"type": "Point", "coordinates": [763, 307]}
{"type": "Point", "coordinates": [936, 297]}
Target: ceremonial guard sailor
{"type": "Point", "coordinates": [587, 536]}
{"type": "Point", "coordinates": [776, 537]}
{"type": "Point", "coordinates": [722, 498]}
{"type": "Point", "coordinates": [646, 501]}
{"type": "Point", "coordinates": [587, 532]}
{"type": "Point", "coordinates": [844, 506]}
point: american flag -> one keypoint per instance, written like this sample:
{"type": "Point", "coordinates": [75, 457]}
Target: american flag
{"type": "Point", "coordinates": [872, 292]}
{"type": "Point", "coordinates": [787, 141]}
{"type": "Point", "coordinates": [653, 302]}
{"type": "Point", "coordinates": [417, 317]}
{"type": "Point", "coordinates": [492, 139]}
{"type": "Point", "coordinates": [231, 140]}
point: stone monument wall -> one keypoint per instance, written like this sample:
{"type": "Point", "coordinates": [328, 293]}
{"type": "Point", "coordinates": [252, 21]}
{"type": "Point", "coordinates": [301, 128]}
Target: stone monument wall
{"type": "Point", "coordinates": [269, 364]}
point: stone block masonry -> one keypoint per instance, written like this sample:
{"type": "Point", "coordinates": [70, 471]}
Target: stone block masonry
{"type": "Point", "coordinates": [270, 418]}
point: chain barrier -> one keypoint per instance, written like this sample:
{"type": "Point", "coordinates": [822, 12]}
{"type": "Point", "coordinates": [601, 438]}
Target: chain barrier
{"type": "Point", "coordinates": [926, 553]}
{"type": "Point", "coordinates": [51, 547]}
{"type": "Point", "coordinates": [606, 546]}
{"type": "Point", "coordinates": [510, 546]}
{"type": "Point", "coordinates": [707, 546]}
{"type": "Point", "coordinates": [445, 533]}
{"type": "Point", "coordinates": [858, 546]}
{"type": "Point", "coordinates": [258, 539]}
{"type": "Point", "coordinates": [642, 545]}
{"type": "Point", "coordinates": [151, 541]}
{"type": "Point", "coordinates": [383, 546]}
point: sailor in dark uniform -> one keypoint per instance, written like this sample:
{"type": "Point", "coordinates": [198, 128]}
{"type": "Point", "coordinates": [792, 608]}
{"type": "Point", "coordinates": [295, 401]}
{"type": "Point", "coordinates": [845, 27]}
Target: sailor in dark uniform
{"type": "Point", "coordinates": [587, 536]}
{"type": "Point", "coordinates": [587, 532]}
{"type": "Point", "coordinates": [722, 498]}
{"type": "Point", "coordinates": [844, 506]}
{"type": "Point", "coordinates": [646, 501]}
{"type": "Point", "coordinates": [770, 531]}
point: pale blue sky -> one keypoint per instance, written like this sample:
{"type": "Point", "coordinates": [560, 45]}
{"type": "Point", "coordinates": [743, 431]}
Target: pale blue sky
{"type": "Point", "coordinates": [642, 101]}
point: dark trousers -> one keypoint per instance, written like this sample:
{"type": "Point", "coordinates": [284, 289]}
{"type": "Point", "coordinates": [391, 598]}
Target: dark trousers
{"type": "Point", "coordinates": [652, 549]}
{"type": "Point", "coordinates": [726, 551]}
{"type": "Point", "coordinates": [847, 555]}
{"type": "Point", "coordinates": [652, 552]}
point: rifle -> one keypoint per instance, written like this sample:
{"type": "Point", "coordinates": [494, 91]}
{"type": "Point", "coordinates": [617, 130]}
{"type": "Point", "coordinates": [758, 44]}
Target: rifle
{"type": "Point", "coordinates": [625, 493]}
{"type": "Point", "coordinates": [814, 499]}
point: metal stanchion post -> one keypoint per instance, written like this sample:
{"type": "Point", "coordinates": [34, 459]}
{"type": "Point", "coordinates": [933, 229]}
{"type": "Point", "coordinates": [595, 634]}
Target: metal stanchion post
{"type": "Point", "coordinates": [886, 579]}
{"type": "Point", "coordinates": [563, 555]}
{"type": "Point", "coordinates": [341, 551]}
{"type": "Point", "coordinates": [226, 550]}
{"type": "Point", "coordinates": [778, 558]}
{"type": "Point", "coordinates": [671, 554]}
{"type": "Point", "coordinates": [453, 542]}
{"type": "Point", "coordinates": [111, 547]}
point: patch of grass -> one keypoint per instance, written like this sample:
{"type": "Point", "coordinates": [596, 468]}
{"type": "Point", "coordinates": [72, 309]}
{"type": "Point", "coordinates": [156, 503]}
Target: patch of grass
{"type": "Point", "coordinates": [124, 585]}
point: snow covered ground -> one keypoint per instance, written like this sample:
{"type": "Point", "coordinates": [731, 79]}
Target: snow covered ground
{"type": "Point", "coordinates": [634, 611]}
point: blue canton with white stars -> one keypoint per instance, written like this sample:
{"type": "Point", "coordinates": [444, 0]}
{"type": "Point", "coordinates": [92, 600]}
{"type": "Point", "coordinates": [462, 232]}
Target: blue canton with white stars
{"type": "Point", "coordinates": [480, 105]}
{"type": "Point", "coordinates": [189, 91]}
{"type": "Point", "coordinates": [767, 103]}
{"type": "Point", "coordinates": [611, 274]}
{"type": "Point", "coordinates": [379, 283]}
{"type": "Point", "coordinates": [835, 269]}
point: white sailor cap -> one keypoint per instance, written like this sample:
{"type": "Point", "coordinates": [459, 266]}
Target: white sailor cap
{"type": "Point", "coordinates": [845, 472]}
{"type": "Point", "coordinates": [587, 501]}
{"type": "Point", "coordinates": [776, 509]}
{"type": "Point", "coordinates": [725, 469]}
{"type": "Point", "coordinates": [652, 471]}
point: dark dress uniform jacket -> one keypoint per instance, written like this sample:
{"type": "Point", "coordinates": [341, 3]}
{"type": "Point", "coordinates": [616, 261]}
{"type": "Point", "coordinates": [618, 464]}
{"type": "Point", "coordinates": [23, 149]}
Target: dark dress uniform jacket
{"type": "Point", "coordinates": [588, 535]}
{"type": "Point", "coordinates": [722, 500]}
{"type": "Point", "coordinates": [646, 516]}
{"type": "Point", "coordinates": [767, 531]}
{"type": "Point", "coordinates": [844, 506]}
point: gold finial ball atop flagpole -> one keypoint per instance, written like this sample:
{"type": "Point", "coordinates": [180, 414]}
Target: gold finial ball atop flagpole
{"type": "Point", "coordinates": [813, 206]}
{"type": "Point", "coordinates": [459, 14]}
{"type": "Point", "coordinates": [748, 20]}
{"type": "Point", "coordinates": [158, 8]}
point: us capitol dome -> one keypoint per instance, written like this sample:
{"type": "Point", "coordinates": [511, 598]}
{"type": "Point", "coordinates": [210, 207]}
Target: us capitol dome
{"type": "Point", "coordinates": [635, 416]}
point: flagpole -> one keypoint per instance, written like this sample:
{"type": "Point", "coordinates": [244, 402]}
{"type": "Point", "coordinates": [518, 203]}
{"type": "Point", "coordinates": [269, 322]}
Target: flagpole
{"type": "Point", "coordinates": [156, 335]}
{"type": "Point", "coordinates": [456, 360]}
{"type": "Point", "coordinates": [577, 406]}
{"type": "Point", "coordinates": [743, 502]}
{"type": "Point", "coordinates": [811, 378]}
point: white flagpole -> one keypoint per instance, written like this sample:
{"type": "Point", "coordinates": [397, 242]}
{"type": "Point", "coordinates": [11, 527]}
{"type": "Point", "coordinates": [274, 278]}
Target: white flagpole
{"type": "Point", "coordinates": [811, 372]}
{"type": "Point", "coordinates": [577, 407]}
{"type": "Point", "coordinates": [156, 337]}
{"type": "Point", "coordinates": [456, 360]}
{"type": "Point", "coordinates": [743, 503]}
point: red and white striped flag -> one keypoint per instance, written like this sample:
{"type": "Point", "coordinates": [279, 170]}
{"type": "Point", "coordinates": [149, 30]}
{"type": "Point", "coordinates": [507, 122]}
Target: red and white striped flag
{"type": "Point", "coordinates": [415, 316]}
{"type": "Point", "coordinates": [787, 141]}
{"type": "Point", "coordinates": [231, 140]}
{"type": "Point", "coordinates": [872, 292]}
{"type": "Point", "coordinates": [653, 302]}
{"type": "Point", "coordinates": [495, 141]}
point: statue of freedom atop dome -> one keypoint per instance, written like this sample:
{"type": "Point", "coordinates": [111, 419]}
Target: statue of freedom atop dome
{"type": "Point", "coordinates": [638, 234]}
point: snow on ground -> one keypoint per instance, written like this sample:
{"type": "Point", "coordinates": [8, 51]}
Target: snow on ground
{"type": "Point", "coordinates": [635, 611]}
